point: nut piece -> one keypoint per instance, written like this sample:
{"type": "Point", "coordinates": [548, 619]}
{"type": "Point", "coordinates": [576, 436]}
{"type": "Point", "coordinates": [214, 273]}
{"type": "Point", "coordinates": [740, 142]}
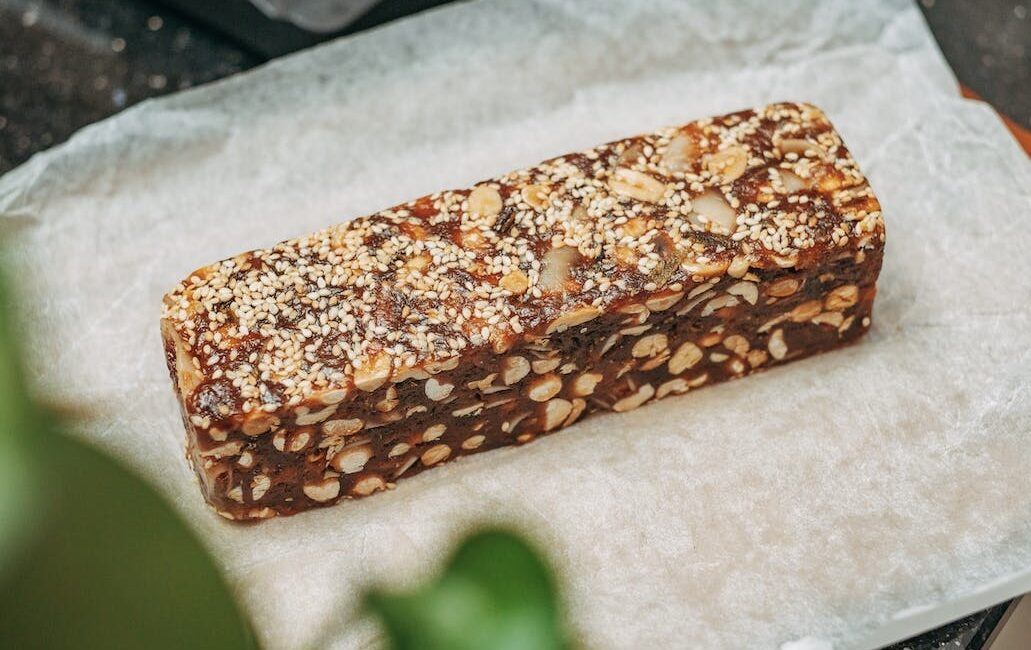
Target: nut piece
{"type": "Point", "coordinates": [677, 386]}
{"type": "Point", "coordinates": [544, 388]}
{"type": "Point", "coordinates": [373, 375]}
{"type": "Point", "coordinates": [513, 369]}
{"type": "Point", "coordinates": [536, 196]}
{"type": "Point", "coordinates": [368, 485]}
{"type": "Point", "coordinates": [544, 366]}
{"type": "Point", "coordinates": [573, 318]}
{"type": "Point", "coordinates": [833, 318]}
{"type": "Point", "coordinates": [643, 394]}
{"type": "Point", "coordinates": [578, 407]}
{"type": "Point", "coordinates": [686, 356]}
{"type": "Point", "coordinates": [649, 346]}
{"type": "Point", "coordinates": [433, 432]}
{"type": "Point", "coordinates": [728, 164]}
{"type": "Point", "coordinates": [342, 427]}
{"type": "Point", "coordinates": [323, 490]}
{"type": "Point", "coordinates": [746, 290]}
{"type": "Point", "coordinates": [437, 390]}
{"type": "Point", "coordinates": [585, 383]}
{"type": "Point", "coordinates": [389, 401]}
{"type": "Point", "coordinates": [351, 460]}
{"type": "Point", "coordinates": [259, 486]}
{"type": "Point", "coordinates": [680, 154]}
{"type": "Point", "coordinates": [738, 267]}
{"type": "Point", "coordinates": [736, 344]}
{"type": "Point", "coordinates": [800, 147]}
{"type": "Point", "coordinates": [805, 311]}
{"type": "Point", "coordinates": [484, 201]}
{"type": "Point", "coordinates": [399, 449]}
{"type": "Point", "coordinates": [757, 358]}
{"type": "Point", "coordinates": [714, 207]}
{"type": "Point", "coordinates": [259, 424]}
{"type": "Point", "coordinates": [435, 454]}
{"type": "Point", "coordinates": [305, 418]}
{"type": "Point", "coordinates": [555, 268]}
{"type": "Point", "coordinates": [777, 347]}
{"type": "Point", "coordinates": [842, 297]}
{"type": "Point", "coordinates": [782, 288]}
{"type": "Point", "coordinates": [555, 412]}
{"type": "Point", "coordinates": [663, 303]}
{"type": "Point", "coordinates": [515, 281]}
{"type": "Point", "coordinates": [717, 303]}
{"type": "Point", "coordinates": [637, 185]}
{"type": "Point", "coordinates": [473, 442]}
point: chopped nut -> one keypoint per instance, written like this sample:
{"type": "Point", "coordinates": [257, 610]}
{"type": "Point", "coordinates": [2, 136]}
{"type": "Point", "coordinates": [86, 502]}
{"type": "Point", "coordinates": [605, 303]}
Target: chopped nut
{"type": "Point", "coordinates": [573, 318]}
{"type": "Point", "coordinates": [842, 297]}
{"type": "Point", "coordinates": [637, 185]}
{"type": "Point", "coordinates": [649, 346]}
{"type": "Point", "coordinates": [323, 490]}
{"type": "Point", "coordinates": [368, 485]}
{"type": "Point", "coordinates": [513, 369]}
{"type": "Point", "coordinates": [800, 147]}
{"type": "Point", "coordinates": [747, 290]}
{"type": "Point", "coordinates": [536, 196]}
{"type": "Point", "coordinates": [472, 409]}
{"type": "Point", "coordinates": [712, 338]}
{"type": "Point", "coordinates": [738, 267]}
{"type": "Point", "coordinates": [473, 442]}
{"type": "Point", "coordinates": [777, 347]}
{"type": "Point", "coordinates": [435, 367]}
{"type": "Point", "coordinates": [637, 330]}
{"type": "Point", "coordinates": [782, 288]}
{"type": "Point", "coordinates": [662, 303]}
{"type": "Point", "coordinates": [578, 408]}
{"type": "Point", "coordinates": [342, 427]}
{"type": "Point", "coordinates": [655, 362]}
{"type": "Point", "coordinates": [259, 424]}
{"type": "Point", "coordinates": [435, 454]}
{"type": "Point", "coordinates": [433, 432]}
{"type": "Point", "coordinates": [714, 207]}
{"type": "Point", "coordinates": [304, 417]}
{"type": "Point", "coordinates": [728, 164]}
{"type": "Point", "coordinates": [555, 412]}
{"type": "Point", "coordinates": [299, 441]}
{"type": "Point", "coordinates": [482, 384]}
{"type": "Point", "coordinates": [556, 267]}
{"type": "Point", "coordinates": [437, 390]}
{"type": "Point", "coordinates": [680, 154]}
{"type": "Point", "coordinates": [736, 366]}
{"type": "Point", "coordinates": [259, 486]}
{"type": "Point", "coordinates": [805, 311]}
{"type": "Point", "coordinates": [484, 201]}
{"type": "Point", "coordinates": [352, 459]}
{"type": "Point", "coordinates": [389, 401]}
{"type": "Point", "coordinates": [585, 383]}
{"type": "Point", "coordinates": [768, 325]}
{"type": "Point", "coordinates": [643, 394]}
{"type": "Point", "coordinates": [403, 467]}
{"type": "Point", "coordinates": [231, 448]}
{"type": "Point", "coordinates": [686, 356]}
{"type": "Point", "coordinates": [515, 281]}
{"type": "Point", "coordinates": [400, 449]}
{"type": "Point", "coordinates": [279, 441]}
{"type": "Point", "coordinates": [757, 358]}
{"type": "Point", "coordinates": [677, 386]}
{"type": "Point", "coordinates": [370, 377]}
{"type": "Point", "coordinates": [737, 344]}
{"type": "Point", "coordinates": [544, 388]}
{"type": "Point", "coordinates": [236, 494]}
{"type": "Point", "coordinates": [544, 366]}
{"type": "Point", "coordinates": [695, 301]}
{"type": "Point", "coordinates": [246, 460]}
{"type": "Point", "coordinates": [719, 302]}
{"type": "Point", "coordinates": [832, 318]}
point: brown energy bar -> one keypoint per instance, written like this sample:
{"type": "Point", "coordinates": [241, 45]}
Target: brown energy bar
{"type": "Point", "coordinates": [333, 365]}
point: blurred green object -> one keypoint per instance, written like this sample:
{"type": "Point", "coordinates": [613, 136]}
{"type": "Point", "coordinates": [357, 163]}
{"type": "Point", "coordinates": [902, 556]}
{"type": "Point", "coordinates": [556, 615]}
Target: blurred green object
{"type": "Point", "coordinates": [90, 555]}
{"type": "Point", "coordinates": [495, 593]}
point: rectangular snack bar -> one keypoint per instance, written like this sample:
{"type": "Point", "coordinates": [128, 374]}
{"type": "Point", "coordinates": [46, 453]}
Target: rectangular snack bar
{"type": "Point", "coordinates": [330, 366]}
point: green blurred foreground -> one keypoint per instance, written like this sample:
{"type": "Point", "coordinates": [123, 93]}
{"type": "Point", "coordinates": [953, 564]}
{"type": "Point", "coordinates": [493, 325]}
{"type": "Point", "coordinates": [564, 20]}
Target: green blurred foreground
{"type": "Point", "coordinates": [91, 557]}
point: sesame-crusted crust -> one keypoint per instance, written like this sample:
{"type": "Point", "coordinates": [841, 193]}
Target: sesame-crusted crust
{"type": "Point", "coordinates": [525, 255]}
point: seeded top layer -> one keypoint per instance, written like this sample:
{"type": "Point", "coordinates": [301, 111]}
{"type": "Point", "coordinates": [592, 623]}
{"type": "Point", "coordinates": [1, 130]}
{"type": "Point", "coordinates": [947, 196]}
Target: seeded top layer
{"type": "Point", "coordinates": [523, 254]}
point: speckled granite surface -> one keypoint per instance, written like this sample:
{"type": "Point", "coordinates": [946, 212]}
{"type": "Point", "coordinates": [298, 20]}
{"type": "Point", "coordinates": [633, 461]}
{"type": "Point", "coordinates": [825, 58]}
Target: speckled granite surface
{"type": "Point", "coordinates": [68, 63]}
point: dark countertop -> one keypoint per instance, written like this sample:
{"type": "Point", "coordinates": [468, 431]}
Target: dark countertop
{"type": "Point", "coordinates": [68, 63]}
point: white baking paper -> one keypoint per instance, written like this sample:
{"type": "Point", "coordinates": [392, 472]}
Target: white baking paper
{"type": "Point", "coordinates": [851, 499]}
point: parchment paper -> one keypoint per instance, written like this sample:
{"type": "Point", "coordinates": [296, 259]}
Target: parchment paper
{"type": "Point", "coordinates": [854, 498]}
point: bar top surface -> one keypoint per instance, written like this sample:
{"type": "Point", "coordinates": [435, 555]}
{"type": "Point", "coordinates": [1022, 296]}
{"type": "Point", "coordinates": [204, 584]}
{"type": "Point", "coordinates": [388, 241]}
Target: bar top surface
{"type": "Point", "coordinates": [526, 254]}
